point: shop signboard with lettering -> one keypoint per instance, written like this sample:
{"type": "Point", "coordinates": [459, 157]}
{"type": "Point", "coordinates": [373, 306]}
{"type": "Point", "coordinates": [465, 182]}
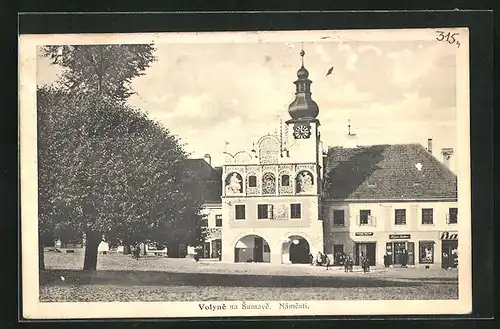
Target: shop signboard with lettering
{"type": "Point", "coordinates": [364, 233]}
{"type": "Point", "coordinates": [448, 235]}
{"type": "Point", "coordinates": [399, 236]}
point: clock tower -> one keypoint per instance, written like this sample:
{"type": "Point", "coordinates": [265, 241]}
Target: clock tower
{"type": "Point", "coordinates": [303, 137]}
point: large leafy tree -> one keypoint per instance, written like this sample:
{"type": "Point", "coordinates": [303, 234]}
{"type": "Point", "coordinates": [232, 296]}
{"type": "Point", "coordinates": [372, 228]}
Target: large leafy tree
{"type": "Point", "coordinates": [108, 169]}
{"type": "Point", "coordinates": [104, 167]}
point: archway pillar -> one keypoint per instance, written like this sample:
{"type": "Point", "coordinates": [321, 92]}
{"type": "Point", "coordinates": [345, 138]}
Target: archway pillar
{"type": "Point", "coordinates": [276, 250]}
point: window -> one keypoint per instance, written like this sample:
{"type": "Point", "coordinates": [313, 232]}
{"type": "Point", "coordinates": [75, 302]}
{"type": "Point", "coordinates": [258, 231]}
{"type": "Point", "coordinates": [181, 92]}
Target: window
{"type": "Point", "coordinates": [338, 218]}
{"type": "Point", "coordinates": [426, 252]}
{"type": "Point", "coordinates": [204, 222]}
{"type": "Point", "coordinates": [285, 180]}
{"type": "Point", "coordinates": [453, 216]}
{"type": "Point", "coordinates": [295, 210]}
{"type": "Point", "coordinates": [338, 249]}
{"type": "Point", "coordinates": [427, 216]}
{"type": "Point", "coordinates": [262, 211]}
{"type": "Point", "coordinates": [364, 215]}
{"type": "Point", "coordinates": [400, 216]}
{"type": "Point", "coordinates": [252, 181]}
{"type": "Point", "coordinates": [218, 220]}
{"type": "Point", "coordinates": [239, 211]}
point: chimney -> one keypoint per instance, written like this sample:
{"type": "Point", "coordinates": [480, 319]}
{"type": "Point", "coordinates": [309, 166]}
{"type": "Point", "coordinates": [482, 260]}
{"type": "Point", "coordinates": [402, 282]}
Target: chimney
{"type": "Point", "coordinates": [447, 153]}
{"type": "Point", "coordinates": [429, 145]}
{"type": "Point", "coordinates": [208, 159]}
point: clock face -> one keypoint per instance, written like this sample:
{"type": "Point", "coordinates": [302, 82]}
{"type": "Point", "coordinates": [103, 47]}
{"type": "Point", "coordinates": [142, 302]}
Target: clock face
{"type": "Point", "coordinates": [302, 131]}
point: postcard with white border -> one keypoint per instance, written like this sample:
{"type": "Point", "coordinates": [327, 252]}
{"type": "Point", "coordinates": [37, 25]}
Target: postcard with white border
{"type": "Point", "coordinates": [228, 174]}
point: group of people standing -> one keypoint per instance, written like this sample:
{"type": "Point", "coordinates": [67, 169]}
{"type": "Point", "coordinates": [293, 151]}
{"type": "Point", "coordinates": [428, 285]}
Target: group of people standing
{"type": "Point", "coordinates": [341, 259]}
{"type": "Point", "coordinates": [320, 260]}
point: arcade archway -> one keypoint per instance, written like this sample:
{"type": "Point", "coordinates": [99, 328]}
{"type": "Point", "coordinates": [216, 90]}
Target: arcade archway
{"type": "Point", "coordinates": [252, 249]}
{"type": "Point", "coordinates": [298, 249]}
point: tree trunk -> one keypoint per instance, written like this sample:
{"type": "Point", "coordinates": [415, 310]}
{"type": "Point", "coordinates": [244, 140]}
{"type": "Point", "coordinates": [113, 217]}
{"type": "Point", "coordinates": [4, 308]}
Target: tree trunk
{"type": "Point", "coordinates": [91, 246]}
{"type": "Point", "coordinates": [41, 256]}
{"type": "Point", "coordinates": [126, 247]}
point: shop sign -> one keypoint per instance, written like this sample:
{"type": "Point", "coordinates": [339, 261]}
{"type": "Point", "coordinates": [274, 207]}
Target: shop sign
{"type": "Point", "coordinates": [399, 236]}
{"type": "Point", "coordinates": [364, 233]}
{"type": "Point", "coordinates": [448, 236]}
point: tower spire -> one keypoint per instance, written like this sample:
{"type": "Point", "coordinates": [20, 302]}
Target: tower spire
{"type": "Point", "coordinates": [303, 106]}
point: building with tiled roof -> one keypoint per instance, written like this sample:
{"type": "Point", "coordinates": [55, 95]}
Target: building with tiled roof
{"type": "Point", "coordinates": [288, 198]}
{"type": "Point", "coordinates": [389, 202]}
{"type": "Point", "coordinates": [209, 183]}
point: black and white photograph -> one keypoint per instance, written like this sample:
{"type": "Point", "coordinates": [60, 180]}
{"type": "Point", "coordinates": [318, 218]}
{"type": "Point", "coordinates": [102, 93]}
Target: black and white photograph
{"type": "Point", "coordinates": [245, 173]}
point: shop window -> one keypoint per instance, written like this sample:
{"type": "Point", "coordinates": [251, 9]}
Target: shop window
{"type": "Point", "coordinates": [338, 218]}
{"type": "Point", "coordinates": [239, 211]}
{"type": "Point", "coordinates": [426, 251]}
{"type": "Point", "coordinates": [364, 216]}
{"type": "Point", "coordinates": [400, 216]}
{"type": "Point", "coordinates": [427, 216]}
{"type": "Point", "coordinates": [218, 220]}
{"type": "Point", "coordinates": [295, 211]}
{"type": "Point", "coordinates": [252, 181]}
{"type": "Point", "coordinates": [452, 215]}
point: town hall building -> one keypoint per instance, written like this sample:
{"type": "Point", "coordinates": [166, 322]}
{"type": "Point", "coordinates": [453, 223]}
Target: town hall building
{"type": "Point", "coordinates": [288, 197]}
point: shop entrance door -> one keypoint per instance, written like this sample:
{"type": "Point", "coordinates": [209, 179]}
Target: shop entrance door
{"type": "Point", "coordinates": [366, 249]}
{"type": "Point", "coordinates": [403, 250]}
{"type": "Point", "coordinates": [216, 248]}
{"type": "Point", "coordinates": [206, 250]}
{"type": "Point", "coordinates": [449, 254]}
{"type": "Point", "coordinates": [258, 250]}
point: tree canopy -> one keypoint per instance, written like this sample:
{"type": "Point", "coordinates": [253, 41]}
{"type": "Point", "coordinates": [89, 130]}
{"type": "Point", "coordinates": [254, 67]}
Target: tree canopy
{"type": "Point", "coordinates": [105, 70]}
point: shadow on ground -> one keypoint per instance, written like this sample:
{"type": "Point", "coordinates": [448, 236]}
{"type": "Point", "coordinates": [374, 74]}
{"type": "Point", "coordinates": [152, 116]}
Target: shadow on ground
{"type": "Point", "coordinates": [157, 278]}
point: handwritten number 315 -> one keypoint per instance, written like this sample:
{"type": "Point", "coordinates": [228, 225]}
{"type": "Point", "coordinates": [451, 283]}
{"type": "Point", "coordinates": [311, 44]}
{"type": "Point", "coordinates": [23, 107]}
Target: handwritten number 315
{"type": "Point", "coordinates": [447, 37]}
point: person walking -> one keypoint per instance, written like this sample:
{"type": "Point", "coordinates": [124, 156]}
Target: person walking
{"type": "Point", "coordinates": [137, 251]}
{"type": "Point", "coordinates": [366, 265]}
{"type": "Point", "coordinates": [386, 260]}
{"type": "Point", "coordinates": [404, 258]}
{"type": "Point", "coordinates": [327, 262]}
{"type": "Point", "coordinates": [319, 259]}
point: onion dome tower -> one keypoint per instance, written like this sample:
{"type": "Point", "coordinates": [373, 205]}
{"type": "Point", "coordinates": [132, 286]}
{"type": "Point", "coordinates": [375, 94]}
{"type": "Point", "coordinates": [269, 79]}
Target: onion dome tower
{"type": "Point", "coordinates": [303, 110]}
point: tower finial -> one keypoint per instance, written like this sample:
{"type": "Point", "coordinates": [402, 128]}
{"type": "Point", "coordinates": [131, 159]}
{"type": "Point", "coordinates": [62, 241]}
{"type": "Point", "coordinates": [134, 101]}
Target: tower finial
{"type": "Point", "coordinates": [302, 52]}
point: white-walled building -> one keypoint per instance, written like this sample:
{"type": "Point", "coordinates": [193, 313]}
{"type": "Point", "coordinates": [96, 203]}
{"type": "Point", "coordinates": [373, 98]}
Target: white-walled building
{"type": "Point", "coordinates": [390, 199]}
{"type": "Point", "coordinates": [288, 198]}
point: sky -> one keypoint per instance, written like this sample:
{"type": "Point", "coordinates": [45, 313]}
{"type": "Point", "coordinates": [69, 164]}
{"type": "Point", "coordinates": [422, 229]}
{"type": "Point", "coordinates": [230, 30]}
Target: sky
{"type": "Point", "coordinates": [211, 93]}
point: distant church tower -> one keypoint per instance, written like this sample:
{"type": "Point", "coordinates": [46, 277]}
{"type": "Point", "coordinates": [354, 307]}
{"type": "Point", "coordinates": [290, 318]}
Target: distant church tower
{"type": "Point", "coordinates": [303, 128]}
